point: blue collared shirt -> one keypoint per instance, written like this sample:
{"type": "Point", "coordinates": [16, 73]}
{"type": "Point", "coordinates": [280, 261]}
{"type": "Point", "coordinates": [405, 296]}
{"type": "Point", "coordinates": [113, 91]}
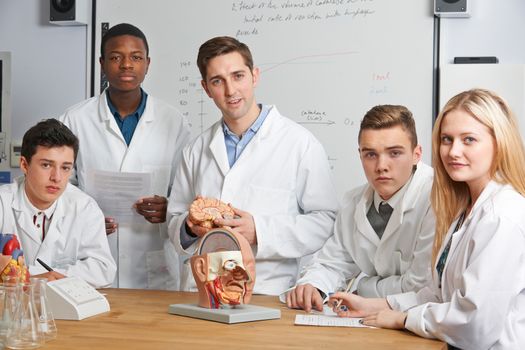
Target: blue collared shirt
{"type": "Point", "coordinates": [128, 124]}
{"type": "Point", "coordinates": [235, 144]}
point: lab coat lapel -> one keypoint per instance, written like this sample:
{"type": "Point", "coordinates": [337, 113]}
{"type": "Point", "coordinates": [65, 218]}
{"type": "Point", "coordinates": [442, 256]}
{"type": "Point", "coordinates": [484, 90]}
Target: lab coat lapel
{"type": "Point", "coordinates": [396, 219]}
{"type": "Point", "coordinates": [108, 118]}
{"type": "Point", "coordinates": [24, 221]}
{"type": "Point", "coordinates": [271, 122]}
{"type": "Point", "coordinates": [218, 149]}
{"type": "Point", "coordinates": [144, 128]}
{"type": "Point", "coordinates": [53, 232]}
{"type": "Point", "coordinates": [407, 204]}
{"type": "Point", "coordinates": [361, 221]}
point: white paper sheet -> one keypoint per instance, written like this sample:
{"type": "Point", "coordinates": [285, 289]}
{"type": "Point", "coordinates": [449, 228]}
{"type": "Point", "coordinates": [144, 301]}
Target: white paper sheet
{"type": "Point", "coordinates": [116, 192]}
{"type": "Point", "coordinates": [327, 321]}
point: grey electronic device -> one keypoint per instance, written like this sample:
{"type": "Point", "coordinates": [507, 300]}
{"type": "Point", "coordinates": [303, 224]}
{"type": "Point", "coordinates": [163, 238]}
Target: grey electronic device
{"type": "Point", "coordinates": [476, 60]}
{"type": "Point", "coordinates": [452, 8]}
{"type": "Point", "coordinates": [69, 12]}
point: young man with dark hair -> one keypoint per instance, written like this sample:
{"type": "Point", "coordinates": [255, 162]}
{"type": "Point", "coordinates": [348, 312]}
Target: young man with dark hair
{"type": "Point", "coordinates": [54, 220]}
{"type": "Point", "coordinates": [385, 228]}
{"type": "Point", "coordinates": [273, 171]}
{"type": "Point", "coordinates": [126, 130]}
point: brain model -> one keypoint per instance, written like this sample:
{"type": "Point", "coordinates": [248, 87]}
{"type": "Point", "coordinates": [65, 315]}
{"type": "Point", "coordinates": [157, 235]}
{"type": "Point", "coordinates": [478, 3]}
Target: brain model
{"type": "Point", "coordinates": [12, 262]}
{"type": "Point", "coordinates": [203, 211]}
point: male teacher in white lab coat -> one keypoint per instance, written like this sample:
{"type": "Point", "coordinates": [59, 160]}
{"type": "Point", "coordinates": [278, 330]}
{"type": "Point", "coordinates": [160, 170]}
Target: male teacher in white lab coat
{"type": "Point", "coordinates": [385, 228]}
{"type": "Point", "coordinates": [272, 171]}
{"type": "Point", "coordinates": [53, 220]}
{"type": "Point", "coordinates": [126, 130]}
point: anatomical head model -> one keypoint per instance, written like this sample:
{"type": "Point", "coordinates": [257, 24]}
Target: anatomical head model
{"type": "Point", "coordinates": [224, 269]}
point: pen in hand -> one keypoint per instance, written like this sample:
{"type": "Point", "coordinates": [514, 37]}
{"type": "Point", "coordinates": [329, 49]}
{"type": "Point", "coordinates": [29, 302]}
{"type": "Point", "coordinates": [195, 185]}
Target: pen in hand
{"type": "Point", "coordinates": [348, 287]}
{"type": "Point", "coordinates": [46, 266]}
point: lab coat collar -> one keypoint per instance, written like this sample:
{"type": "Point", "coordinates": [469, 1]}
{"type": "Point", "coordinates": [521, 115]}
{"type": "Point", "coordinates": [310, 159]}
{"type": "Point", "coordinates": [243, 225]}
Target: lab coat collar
{"type": "Point", "coordinates": [491, 188]}
{"type": "Point", "coordinates": [362, 224]}
{"type": "Point", "coordinates": [107, 117]}
{"type": "Point", "coordinates": [408, 202]}
{"type": "Point", "coordinates": [25, 220]}
{"type": "Point", "coordinates": [218, 147]}
{"type": "Point", "coordinates": [266, 127]}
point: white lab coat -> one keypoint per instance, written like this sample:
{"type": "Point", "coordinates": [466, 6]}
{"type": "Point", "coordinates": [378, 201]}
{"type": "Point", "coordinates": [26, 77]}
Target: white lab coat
{"type": "Point", "coordinates": [396, 263]}
{"type": "Point", "coordinates": [75, 242]}
{"type": "Point", "coordinates": [282, 178]}
{"type": "Point", "coordinates": [481, 304]}
{"type": "Point", "coordinates": [155, 147]}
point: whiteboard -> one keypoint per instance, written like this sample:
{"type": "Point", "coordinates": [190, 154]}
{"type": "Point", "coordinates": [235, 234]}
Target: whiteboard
{"type": "Point", "coordinates": [323, 63]}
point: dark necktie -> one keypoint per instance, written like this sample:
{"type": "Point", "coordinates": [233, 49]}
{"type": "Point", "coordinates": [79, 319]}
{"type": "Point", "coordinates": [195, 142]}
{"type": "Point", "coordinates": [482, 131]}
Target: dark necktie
{"type": "Point", "coordinates": [43, 225]}
{"type": "Point", "coordinates": [379, 220]}
{"type": "Point", "coordinates": [444, 255]}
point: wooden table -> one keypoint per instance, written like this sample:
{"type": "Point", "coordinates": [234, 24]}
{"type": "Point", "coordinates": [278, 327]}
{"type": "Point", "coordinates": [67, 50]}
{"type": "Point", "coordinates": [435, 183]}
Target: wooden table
{"type": "Point", "coordinates": [139, 320]}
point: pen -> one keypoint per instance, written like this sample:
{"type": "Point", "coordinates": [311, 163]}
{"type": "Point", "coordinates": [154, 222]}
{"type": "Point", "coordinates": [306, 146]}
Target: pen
{"type": "Point", "coordinates": [46, 266]}
{"type": "Point", "coordinates": [348, 287]}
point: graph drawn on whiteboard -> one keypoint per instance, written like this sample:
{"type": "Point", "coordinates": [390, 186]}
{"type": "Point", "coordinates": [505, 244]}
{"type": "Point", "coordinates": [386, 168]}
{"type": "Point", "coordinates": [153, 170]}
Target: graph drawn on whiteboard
{"type": "Point", "coordinates": [324, 63]}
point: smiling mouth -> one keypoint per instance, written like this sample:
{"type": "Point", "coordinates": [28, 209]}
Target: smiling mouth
{"type": "Point", "coordinates": [234, 101]}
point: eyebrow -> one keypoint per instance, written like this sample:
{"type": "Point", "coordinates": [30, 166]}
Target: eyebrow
{"type": "Point", "coordinates": [121, 53]}
{"type": "Point", "coordinates": [463, 133]}
{"type": "Point", "coordinates": [232, 73]}
{"type": "Point", "coordinates": [366, 149]}
{"type": "Point", "coordinates": [52, 161]}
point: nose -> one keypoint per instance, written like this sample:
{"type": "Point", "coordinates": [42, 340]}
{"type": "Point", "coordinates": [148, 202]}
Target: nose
{"type": "Point", "coordinates": [382, 164]}
{"type": "Point", "coordinates": [455, 149]}
{"type": "Point", "coordinates": [229, 88]}
{"type": "Point", "coordinates": [125, 63]}
{"type": "Point", "coordinates": [56, 175]}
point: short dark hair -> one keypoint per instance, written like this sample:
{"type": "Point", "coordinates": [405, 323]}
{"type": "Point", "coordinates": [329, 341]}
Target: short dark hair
{"type": "Point", "coordinates": [123, 29]}
{"type": "Point", "coordinates": [48, 133]}
{"type": "Point", "coordinates": [222, 45]}
{"type": "Point", "coordinates": [388, 116]}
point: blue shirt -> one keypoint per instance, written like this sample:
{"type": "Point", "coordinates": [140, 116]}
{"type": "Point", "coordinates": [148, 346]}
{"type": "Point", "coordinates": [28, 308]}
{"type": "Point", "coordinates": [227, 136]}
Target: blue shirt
{"type": "Point", "coordinates": [235, 144]}
{"type": "Point", "coordinates": [128, 124]}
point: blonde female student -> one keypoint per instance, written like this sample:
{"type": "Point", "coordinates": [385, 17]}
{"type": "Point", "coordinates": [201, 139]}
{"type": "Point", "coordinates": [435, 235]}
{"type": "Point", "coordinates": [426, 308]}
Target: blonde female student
{"type": "Point", "coordinates": [477, 298]}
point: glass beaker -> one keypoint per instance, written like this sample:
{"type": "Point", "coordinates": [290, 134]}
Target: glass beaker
{"type": "Point", "coordinates": [24, 332]}
{"type": "Point", "coordinates": [8, 304]}
{"type": "Point", "coordinates": [46, 320]}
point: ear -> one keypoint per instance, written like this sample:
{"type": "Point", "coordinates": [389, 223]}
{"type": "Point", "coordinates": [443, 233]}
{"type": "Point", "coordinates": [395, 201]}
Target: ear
{"type": "Point", "coordinates": [24, 164]}
{"type": "Point", "coordinates": [205, 87]}
{"type": "Point", "coordinates": [199, 266]}
{"type": "Point", "coordinates": [255, 75]}
{"type": "Point", "coordinates": [416, 154]}
{"type": "Point", "coordinates": [101, 61]}
{"type": "Point", "coordinates": [148, 61]}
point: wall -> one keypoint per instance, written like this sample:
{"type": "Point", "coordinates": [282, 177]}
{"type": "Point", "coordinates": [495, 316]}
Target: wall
{"type": "Point", "coordinates": [495, 28]}
{"type": "Point", "coordinates": [48, 62]}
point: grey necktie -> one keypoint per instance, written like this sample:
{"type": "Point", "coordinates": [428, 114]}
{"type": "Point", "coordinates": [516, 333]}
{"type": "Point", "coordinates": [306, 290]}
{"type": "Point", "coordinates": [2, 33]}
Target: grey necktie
{"type": "Point", "coordinates": [379, 220]}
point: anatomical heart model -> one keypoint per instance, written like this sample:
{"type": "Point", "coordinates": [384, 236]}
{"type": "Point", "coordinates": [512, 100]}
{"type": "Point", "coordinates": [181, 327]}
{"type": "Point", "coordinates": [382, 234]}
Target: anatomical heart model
{"type": "Point", "coordinates": [12, 263]}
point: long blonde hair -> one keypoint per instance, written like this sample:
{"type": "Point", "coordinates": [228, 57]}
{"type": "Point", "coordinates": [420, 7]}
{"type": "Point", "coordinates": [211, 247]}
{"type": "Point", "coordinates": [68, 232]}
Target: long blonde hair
{"type": "Point", "coordinates": [449, 198]}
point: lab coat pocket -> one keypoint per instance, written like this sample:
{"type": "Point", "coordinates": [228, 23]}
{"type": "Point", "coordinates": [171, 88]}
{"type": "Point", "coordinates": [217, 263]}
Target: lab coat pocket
{"type": "Point", "coordinates": [160, 178]}
{"type": "Point", "coordinates": [266, 200]}
{"type": "Point", "coordinates": [158, 274]}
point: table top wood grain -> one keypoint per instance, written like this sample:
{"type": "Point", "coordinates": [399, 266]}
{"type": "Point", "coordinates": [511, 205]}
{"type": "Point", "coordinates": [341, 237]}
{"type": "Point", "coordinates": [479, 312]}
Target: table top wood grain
{"type": "Point", "coordinates": [139, 319]}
